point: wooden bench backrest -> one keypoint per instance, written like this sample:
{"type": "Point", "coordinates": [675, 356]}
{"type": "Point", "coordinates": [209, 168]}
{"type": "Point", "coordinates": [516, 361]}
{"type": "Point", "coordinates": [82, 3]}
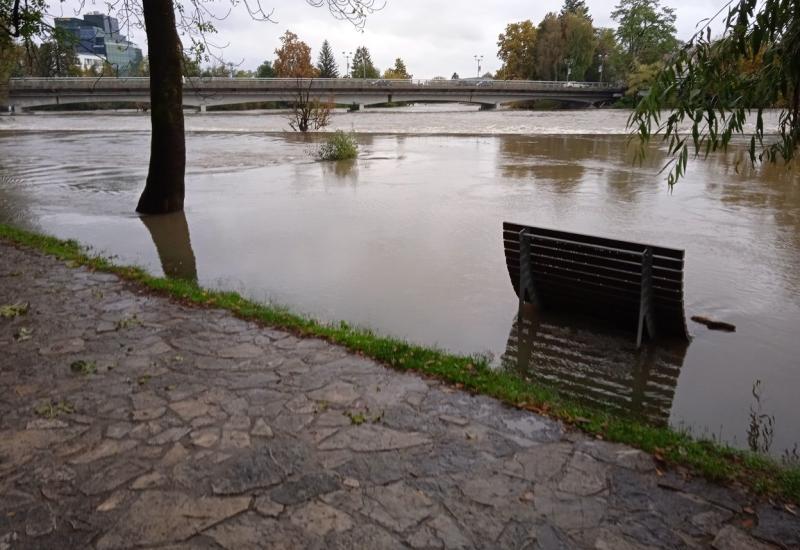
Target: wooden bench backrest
{"type": "Point", "coordinates": [599, 275]}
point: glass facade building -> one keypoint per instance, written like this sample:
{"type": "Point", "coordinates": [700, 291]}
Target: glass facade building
{"type": "Point", "coordinates": [98, 35]}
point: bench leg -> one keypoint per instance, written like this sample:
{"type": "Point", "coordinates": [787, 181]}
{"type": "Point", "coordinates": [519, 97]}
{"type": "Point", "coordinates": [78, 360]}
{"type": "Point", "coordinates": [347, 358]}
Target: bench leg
{"type": "Point", "coordinates": [640, 328]}
{"type": "Point", "coordinates": [527, 292]}
{"type": "Point", "coordinates": [645, 302]}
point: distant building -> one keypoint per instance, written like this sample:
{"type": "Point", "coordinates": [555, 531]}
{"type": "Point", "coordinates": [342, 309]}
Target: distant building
{"type": "Point", "coordinates": [87, 62]}
{"type": "Point", "coordinates": [97, 37]}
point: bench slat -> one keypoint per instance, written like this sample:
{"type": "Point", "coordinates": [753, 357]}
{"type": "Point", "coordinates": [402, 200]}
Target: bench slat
{"type": "Point", "coordinates": [659, 262]}
{"type": "Point", "coordinates": [673, 253]}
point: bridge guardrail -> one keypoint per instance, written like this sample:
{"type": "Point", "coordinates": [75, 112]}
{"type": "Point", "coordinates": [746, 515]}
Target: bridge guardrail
{"type": "Point", "coordinates": [244, 84]}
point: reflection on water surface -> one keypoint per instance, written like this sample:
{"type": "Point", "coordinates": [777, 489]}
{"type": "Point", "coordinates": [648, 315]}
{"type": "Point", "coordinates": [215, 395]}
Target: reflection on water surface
{"type": "Point", "coordinates": [596, 365]}
{"type": "Point", "coordinates": [170, 234]}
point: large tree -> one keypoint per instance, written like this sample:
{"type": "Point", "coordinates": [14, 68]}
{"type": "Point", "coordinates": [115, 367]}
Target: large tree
{"type": "Point", "coordinates": [362, 64]}
{"type": "Point", "coordinates": [607, 63]}
{"type": "Point", "coordinates": [579, 44]}
{"type": "Point", "coordinates": [516, 48]}
{"type": "Point", "coordinates": [646, 30]}
{"type": "Point", "coordinates": [549, 50]}
{"type": "Point", "coordinates": [326, 62]}
{"type": "Point", "coordinates": [56, 57]}
{"type": "Point", "coordinates": [714, 86]}
{"type": "Point", "coordinates": [293, 58]}
{"type": "Point", "coordinates": [164, 188]}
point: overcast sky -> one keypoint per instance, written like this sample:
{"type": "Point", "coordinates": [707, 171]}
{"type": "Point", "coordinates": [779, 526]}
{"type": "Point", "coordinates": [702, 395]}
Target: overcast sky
{"type": "Point", "coordinates": [433, 37]}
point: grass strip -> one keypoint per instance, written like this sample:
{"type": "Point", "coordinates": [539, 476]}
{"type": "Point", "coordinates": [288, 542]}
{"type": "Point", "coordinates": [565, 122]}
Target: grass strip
{"type": "Point", "coordinates": [717, 462]}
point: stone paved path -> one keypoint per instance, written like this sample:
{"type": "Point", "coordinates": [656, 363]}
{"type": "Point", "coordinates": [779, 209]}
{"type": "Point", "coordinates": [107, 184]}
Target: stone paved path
{"type": "Point", "coordinates": [199, 430]}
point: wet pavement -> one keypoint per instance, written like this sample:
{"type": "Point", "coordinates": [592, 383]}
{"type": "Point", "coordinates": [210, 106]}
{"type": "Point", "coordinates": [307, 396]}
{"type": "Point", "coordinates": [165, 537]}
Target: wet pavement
{"type": "Point", "coordinates": [130, 420]}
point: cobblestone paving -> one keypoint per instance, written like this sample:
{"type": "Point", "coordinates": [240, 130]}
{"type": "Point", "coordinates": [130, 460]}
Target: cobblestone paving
{"type": "Point", "coordinates": [189, 428]}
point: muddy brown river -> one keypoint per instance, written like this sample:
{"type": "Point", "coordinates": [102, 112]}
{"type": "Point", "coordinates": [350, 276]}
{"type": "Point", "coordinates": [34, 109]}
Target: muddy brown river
{"type": "Point", "coordinates": [407, 239]}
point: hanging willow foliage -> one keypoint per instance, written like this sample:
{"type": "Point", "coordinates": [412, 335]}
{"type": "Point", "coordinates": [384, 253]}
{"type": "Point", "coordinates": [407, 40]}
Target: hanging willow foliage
{"type": "Point", "coordinates": [711, 86]}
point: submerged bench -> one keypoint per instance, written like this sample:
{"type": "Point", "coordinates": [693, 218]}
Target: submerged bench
{"type": "Point", "coordinates": [636, 286]}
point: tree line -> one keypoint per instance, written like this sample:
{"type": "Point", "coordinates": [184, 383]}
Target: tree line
{"type": "Point", "coordinates": [293, 60]}
{"type": "Point", "coordinates": [567, 45]}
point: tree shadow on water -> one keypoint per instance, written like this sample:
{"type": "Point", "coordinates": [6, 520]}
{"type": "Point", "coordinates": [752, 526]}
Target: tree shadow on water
{"type": "Point", "coordinates": [170, 234]}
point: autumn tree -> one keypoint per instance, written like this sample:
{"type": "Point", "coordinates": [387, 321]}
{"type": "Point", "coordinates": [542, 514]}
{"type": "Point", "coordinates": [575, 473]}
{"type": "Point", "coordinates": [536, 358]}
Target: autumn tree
{"type": "Point", "coordinates": [326, 62]}
{"type": "Point", "coordinates": [265, 70]}
{"type": "Point", "coordinates": [293, 58]}
{"type": "Point", "coordinates": [399, 71]}
{"type": "Point", "coordinates": [362, 64]}
{"type": "Point", "coordinates": [549, 49]}
{"type": "Point", "coordinates": [517, 50]}
{"type": "Point", "coordinates": [646, 30]}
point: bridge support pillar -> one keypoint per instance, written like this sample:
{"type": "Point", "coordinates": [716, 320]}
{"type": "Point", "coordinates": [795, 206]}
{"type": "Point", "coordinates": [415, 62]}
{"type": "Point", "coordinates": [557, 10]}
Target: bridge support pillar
{"type": "Point", "coordinates": [361, 107]}
{"type": "Point", "coordinates": [202, 108]}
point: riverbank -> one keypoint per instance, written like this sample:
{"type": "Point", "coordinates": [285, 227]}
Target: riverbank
{"type": "Point", "coordinates": [130, 419]}
{"type": "Point", "coordinates": [758, 474]}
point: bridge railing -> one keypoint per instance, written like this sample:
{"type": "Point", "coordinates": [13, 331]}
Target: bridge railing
{"type": "Point", "coordinates": [92, 84]}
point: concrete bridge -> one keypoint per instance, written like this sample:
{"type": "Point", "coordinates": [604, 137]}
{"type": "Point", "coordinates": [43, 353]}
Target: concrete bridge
{"type": "Point", "coordinates": [202, 92]}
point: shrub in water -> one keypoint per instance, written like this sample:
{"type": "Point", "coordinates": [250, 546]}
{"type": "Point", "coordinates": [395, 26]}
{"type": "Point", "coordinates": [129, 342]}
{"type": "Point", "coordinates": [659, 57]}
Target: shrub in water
{"type": "Point", "coordinates": [338, 146]}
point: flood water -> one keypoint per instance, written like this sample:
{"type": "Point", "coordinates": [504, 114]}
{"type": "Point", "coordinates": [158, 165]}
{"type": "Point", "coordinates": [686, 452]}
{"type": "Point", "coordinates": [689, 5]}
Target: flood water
{"type": "Point", "coordinates": [407, 239]}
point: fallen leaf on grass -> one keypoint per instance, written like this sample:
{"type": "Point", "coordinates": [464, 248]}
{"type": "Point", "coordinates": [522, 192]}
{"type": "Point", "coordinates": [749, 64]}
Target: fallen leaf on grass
{"type": "Point", "coordinates": [14, 310]}
{"type": "Point", "coordinates": [23, 334]}
{"type": "Point", "coordinates": [83, 367]}
{"type": "Point", "coordinates": [51, 410]}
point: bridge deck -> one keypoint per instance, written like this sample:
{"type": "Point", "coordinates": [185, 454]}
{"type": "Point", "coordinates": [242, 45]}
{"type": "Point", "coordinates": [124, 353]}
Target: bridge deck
{"type": "Point", "coordinates": [213, 91]}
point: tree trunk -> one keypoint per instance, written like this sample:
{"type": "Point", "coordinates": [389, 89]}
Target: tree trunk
{"type": "Point", "coordinates": [164, 189]}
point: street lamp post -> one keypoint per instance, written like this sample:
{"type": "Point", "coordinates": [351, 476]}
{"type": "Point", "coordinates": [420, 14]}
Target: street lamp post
{"type": "Point", "coordinates": [602, 62]}
{"type": "Point", "coordinates": [478, 59]}
{"type": "Point", "coordinates": [347, 56]}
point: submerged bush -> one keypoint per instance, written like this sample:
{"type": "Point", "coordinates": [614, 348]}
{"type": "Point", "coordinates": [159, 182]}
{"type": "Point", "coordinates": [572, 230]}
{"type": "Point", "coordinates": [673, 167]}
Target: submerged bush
{"type": "Point", "coordinates": [338, 146]}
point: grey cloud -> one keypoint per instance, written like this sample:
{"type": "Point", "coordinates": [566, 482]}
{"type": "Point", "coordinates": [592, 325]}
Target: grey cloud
{"type": "Point", "coordinates": [434, 37]}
